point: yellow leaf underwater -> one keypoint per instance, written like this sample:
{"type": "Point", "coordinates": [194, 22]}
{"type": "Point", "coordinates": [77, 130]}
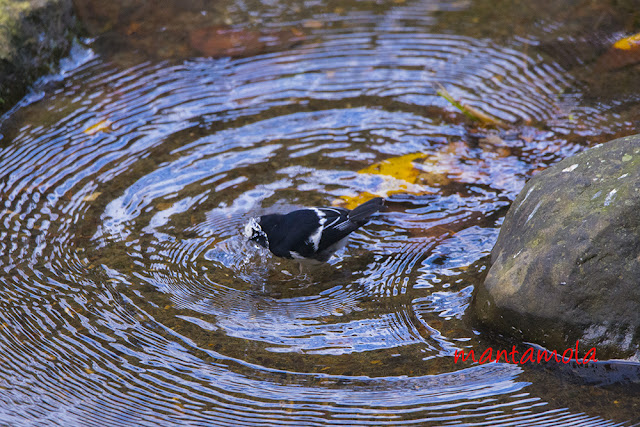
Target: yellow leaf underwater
{"type": "Point", "coordinates": [351, 202]}
{"type": "Point", "coordinates": [628, 43]}
{"type": "Point", "coordinates": [421, 173]}
{"type": "Point", "coordinates": [397, 167]}
{"type": "Point", "coordinates": [102, 126]}
{"type": "Point", "coordinates": [91, 197]}
{"type": "Point", "coordinates": [621, 54]}
{"type": "Point", "coordinates": [398, 173]}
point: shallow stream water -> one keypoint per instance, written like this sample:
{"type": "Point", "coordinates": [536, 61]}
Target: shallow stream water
{"type": "Point", "coordinates": [129, 296]}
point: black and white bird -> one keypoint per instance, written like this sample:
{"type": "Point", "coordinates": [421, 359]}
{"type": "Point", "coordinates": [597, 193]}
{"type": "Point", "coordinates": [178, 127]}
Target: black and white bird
{"type": "Point", "coordinates": [311, 234]}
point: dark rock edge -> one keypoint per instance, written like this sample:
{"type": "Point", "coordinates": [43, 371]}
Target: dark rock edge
{"type": "Point", "coordinates": [42, 36]}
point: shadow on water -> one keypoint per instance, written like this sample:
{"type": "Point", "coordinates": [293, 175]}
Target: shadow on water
{"type": "Point", "coordinates": [129, 295]}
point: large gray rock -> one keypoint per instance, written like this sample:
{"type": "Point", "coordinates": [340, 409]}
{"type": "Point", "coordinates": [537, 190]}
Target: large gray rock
{"type": "Point", "coordinates": [566, 265]}
{"type": "Point", "coordinates": [34, 35]}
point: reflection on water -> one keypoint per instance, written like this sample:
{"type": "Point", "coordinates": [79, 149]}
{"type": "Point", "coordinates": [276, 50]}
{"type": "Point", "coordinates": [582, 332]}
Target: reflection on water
{"type": "Point", "coordinates": [130, 297]}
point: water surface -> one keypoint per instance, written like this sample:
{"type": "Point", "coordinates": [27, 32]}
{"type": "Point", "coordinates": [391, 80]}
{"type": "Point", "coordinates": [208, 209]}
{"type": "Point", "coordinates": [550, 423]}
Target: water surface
{"type": "Point", "coordinates": [131, 298]}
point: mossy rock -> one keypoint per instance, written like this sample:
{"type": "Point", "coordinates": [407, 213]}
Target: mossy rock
{"type": "Point", "coordinates": [34, 35]}
{"type": "Point", "coordinates": [566, 265]}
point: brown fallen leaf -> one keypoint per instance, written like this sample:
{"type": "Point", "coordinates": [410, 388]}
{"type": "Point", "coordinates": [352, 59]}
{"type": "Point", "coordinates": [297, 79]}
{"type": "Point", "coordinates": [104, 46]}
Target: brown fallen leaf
{"type": "Point", "coordinates": [221, 40]}
{"type": "Point", "coordinates": [133, 28]}
{"type": "Point", "coordinates": [313, 23]}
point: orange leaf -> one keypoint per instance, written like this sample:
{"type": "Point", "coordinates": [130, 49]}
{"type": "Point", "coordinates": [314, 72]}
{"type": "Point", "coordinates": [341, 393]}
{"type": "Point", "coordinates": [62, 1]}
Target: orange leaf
{"type": "Point", "coordinates": [628, 43]}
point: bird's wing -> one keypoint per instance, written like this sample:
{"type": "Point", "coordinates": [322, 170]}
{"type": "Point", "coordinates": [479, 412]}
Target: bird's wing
{"type": "Point", "coordinates": [339, 222]}
{"type": "Point", "coordinates": [309, 232]}
{"type": "Point", "coordinates": [336, 227]}
{"type": "Point", "coordinates": [312, 230]}
{"type": "Point", "coordinates": [334, 217]}
{"type": "Point", "coordinates": [300, 233]}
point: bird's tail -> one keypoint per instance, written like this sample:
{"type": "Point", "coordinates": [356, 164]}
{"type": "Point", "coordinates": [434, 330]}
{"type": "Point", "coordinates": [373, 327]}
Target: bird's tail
{"type": "Point", "coordinates": [361, 214]}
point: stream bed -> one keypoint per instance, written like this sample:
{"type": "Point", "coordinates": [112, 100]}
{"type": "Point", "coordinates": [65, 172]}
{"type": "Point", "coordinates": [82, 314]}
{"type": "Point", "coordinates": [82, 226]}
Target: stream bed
{"type": "Point", "coordinates": [129, 296]}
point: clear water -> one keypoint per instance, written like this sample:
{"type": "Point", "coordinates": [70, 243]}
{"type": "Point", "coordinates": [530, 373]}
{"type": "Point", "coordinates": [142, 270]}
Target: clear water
{"type": "Point", "coordinates": [129, 296]}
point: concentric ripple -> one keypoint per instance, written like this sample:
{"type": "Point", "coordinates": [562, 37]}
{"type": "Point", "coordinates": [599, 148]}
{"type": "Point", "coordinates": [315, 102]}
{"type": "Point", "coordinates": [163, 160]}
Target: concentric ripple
{"type": "Point", "coordinates": [130, 297]}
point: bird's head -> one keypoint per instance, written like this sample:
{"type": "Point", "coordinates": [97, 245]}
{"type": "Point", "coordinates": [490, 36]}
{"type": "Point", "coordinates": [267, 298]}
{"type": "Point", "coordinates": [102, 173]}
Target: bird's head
{"type": "Point", "coordinates": [254, 232]}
